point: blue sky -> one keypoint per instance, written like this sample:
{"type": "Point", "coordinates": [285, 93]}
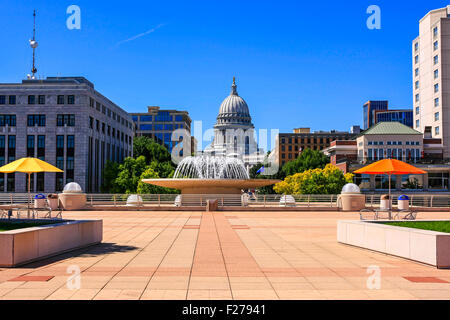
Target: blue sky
{"type": "Point", "coordinates": [297, 64]}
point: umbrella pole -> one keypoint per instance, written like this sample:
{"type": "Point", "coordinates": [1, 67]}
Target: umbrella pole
{"type": "Point", "coordinates": [28, 202]}
{"type": "Point", "coordinates": [390, 200]}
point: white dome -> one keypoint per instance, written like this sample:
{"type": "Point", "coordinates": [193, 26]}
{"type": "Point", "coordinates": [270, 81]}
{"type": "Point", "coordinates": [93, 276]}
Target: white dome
{"type": "Point", "coordinates": [234, 110]}
{"type": "Point", "coordinates": [134, 200]}
{"type": "Point", "coordinates": [72, 187]}
{"type": "Point", "coordinates": [350, 188]}
{"type": "Point", "coordinates": [287, 200]}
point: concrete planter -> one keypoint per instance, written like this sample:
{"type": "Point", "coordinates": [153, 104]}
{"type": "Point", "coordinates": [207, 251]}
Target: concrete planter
{"type": "Point", "coordinates": [30, 244]}
{"type": "Point", "coordinates": [430, 247]}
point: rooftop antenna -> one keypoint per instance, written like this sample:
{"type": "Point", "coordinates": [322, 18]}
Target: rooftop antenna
{"type": "Point", "coordinates": [33, 45]}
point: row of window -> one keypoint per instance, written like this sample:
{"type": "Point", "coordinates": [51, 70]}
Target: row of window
{"type": "Point", "coordinates": [314, 140]}
{"type": "Point", "coordinates": [106, 129]}
{"type": "Point", "coordinates": [159, 127]}
{"type": "Point", "coordinates": [37, 99]}
{"type": "Point", "coordinates": [108, 112]}
{"type": "Point", "coordinates": [393, 143]}
{"type": "Point", "coordinates": [61, 120]}
{"type": "Point", "coordinates": [61, 99]}
{"type": "Point", "coordinates": [162, 116]}
{"type": "Point", "coordinates": [377, 154]}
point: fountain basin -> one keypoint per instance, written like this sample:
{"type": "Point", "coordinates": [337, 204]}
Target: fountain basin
{"type": "Point", "coordinates": [211, 186]}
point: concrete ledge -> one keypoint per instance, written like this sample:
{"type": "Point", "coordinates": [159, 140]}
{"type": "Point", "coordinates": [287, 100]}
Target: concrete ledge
{"type": "Point", "coordinates": [26, 245]}
{"type": "Point", "coordinates": [430, 247]}
{"type": "Point", "coordinates": [202, 208]}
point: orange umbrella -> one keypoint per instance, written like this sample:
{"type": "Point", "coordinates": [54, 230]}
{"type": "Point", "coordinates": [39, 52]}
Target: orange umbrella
{"type": "Point", "coordinates": [389, 167]}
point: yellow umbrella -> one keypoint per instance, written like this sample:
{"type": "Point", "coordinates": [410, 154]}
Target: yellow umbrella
{"type": "Point", "coordinates": [29, 166]}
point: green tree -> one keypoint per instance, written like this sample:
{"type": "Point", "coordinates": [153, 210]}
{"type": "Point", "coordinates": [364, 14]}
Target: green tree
{"type": "Point", "coordinates": [308, 159]}
{"type": "Point", "coordinates": [253, 173]}
{"type": "Point", "coordinates": [110, 173]}
{"type": "Point", "coordinates": [329, 180]}
{"type": "Point", "coordinates": [129, 174]}
{"type": "Point", "coordinates": [145, 188]}
{"type": "Point", "coordinates": [151, 150]}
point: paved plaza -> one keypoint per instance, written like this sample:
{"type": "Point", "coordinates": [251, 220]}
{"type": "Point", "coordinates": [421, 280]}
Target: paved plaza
{"type": "Point", "coordinates": [223, 255]}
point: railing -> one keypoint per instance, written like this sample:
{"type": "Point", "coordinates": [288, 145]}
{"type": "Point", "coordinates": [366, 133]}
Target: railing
{"type": "Point", "coordinates": [260, 200]}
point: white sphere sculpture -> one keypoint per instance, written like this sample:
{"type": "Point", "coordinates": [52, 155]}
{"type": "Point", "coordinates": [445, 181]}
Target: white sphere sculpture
{"type": "Point", "coordinates": [134, 200]}
{"type": "Point", "coordinates": [350, 188]}
{"type": "Point", "coordinates": [72, 187]}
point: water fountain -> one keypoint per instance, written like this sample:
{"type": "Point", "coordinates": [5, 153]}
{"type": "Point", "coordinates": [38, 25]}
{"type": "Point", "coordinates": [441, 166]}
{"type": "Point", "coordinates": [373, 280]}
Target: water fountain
{"type": "Point", "coordinates": [211, 175]}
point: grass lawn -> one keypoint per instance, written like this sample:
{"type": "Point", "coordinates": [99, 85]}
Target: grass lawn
{"type": "Point", "coordinates": [440, 226]}
{"type": "Point", "coordinates": [6, 226]}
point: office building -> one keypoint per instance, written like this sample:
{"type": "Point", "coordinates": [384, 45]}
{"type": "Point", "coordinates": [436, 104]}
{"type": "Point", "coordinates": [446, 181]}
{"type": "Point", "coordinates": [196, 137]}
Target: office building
{"type": "Point", "coordinates": [378, 111]}
{"type": "Point", "coordinates": [290, 145]}
{"type": "Point", "coordinates": [431, 75]}
{"type": "Point", "coordinates": [159, 124]}
{"type": "Point", "coordinates": [369, 109]}
{"type": "Point", "coordinates": [66, 122]}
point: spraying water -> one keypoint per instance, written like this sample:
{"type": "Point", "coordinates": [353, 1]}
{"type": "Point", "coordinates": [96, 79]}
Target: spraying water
{"type": "Point", "coordinates": [210, 167]}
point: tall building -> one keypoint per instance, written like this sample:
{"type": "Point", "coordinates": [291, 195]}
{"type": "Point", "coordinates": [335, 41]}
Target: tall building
{"type": "Point", "coordinates": [66, 122]}
{"type": "Point", "coordinates": [234, 131]}
{"type": "Point", "coordinates": [290, 145]}
{"type": "Point", "coordinates": [431, 75]}
{"type": "Point", "coordinates": [159, 124]}
{"type": "Point", "coordinates": [403, 116]}
{"type": "Point", "coordinates": [369, 109]}
{"type": "Point", "coordinates": [378, 111]}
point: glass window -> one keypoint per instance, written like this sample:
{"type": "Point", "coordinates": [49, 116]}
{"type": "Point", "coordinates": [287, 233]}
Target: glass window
{"type": "Point", "coordinates": [436, 116]}
{"type": "Point", "coordinates": [12, 100]}
{"type": "Point", "coordinates": [436, 102]}
{"type": "Point", "coordinates": [65, 119]}
{"type": "Point", "coordinates": [412, 181]}
{"type": "Point", "coordinates": [382, 182]}
{"type": "Point", "coordinates": [416, 84]}
{"type": "Point", "coordinates": [416, 59]}
{"type": "Point", "coordinates": [436, 73]}
{"type": "Point", "coordinates": [163, 116]}
{"type": "Point", "coordinates": [178, 118]}
{"type": "Point", "coordinates": [416, 46]}
{"type": "Point", "coordinates": [436, 59]}
{"type": "Point", "coordinates": [146, 118]}
{"type": "Point", "coordinates": [438, 180]}
{"type": "Point", "coordinates": [417, 97]}
{"type": "Point", "coordinates": [435, 45]}
{"type": "Point", "coordinates": [135, 118]}
{"type": "Point", "coordinates": [417, 110]}
{"type": "Point", "coordinates": [435, 31]}
{"type": "Point", "coordinates": [31, 99]}
{"type": "Point", "coordinates": [417, 123]}
{"type": "Point", "coordinates": [41, 99]}
{"type": "Point", "coordinates": [60, 99]}
{"type": "Point", "coordinates": [70, 99]}
{"type": "Point", "coordinates": [36, 120]}
{"type": "Point", "coordinates": [2, 99]}
{"type": "Point", "coordinates": [416, 72]}
{"type": "Point", "coordinates": [436, 131]}
{"type": "Point", "coordinates": [145, 127]}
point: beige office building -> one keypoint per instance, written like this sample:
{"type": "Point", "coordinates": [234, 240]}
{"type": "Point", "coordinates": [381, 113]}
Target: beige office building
{"type": "Point", "coordinates": [431, 76]}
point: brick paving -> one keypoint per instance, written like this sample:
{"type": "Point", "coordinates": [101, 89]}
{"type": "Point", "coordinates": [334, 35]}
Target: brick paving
{"type": "Point", "coordinates": [223, 255]}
